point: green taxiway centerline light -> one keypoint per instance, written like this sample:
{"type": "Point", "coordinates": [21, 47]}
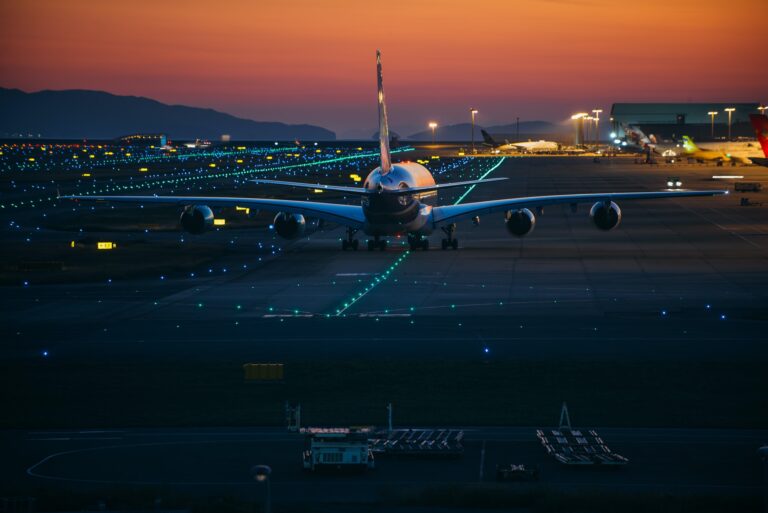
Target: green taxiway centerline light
{"type": "Point", "coordinates": [377, 281]}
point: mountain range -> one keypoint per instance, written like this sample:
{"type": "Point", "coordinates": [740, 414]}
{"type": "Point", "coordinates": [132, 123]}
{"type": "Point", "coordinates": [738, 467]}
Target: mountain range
{"type": "Point", "coordinates": [78, 114]}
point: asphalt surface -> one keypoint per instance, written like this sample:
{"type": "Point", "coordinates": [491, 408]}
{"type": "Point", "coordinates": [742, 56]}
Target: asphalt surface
{"type": "Point", "coordinates": [679, 280]}
{"type": "Point", "coordinates": [679, 273]}
{"type": "Point", "coordinates": [218, 461]}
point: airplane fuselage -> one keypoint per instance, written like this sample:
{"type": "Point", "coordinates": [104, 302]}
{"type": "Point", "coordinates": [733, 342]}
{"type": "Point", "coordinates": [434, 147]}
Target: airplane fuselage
{"type": "Point", "coordinates": [398, 214]}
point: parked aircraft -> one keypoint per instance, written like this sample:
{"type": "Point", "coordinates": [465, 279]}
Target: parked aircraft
{"type": "Point", "coordinates": [540, 146]}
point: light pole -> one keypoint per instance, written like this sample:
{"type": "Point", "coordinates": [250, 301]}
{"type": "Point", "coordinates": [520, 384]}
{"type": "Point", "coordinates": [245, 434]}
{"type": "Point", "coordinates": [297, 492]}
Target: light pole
{"type": "Point", "coordinates": [729, 110]}
{"type": "Point", "coordinates": [474, 113]}
{"type": "Point", "coordinates": [433, 126]}
{"type": "Point", "coordinates": [261, 474]}
{"type": "Point", "coordinates": [597, 124]}
{"type": "Point", "coordinates": [578, 120]}
{"type": "Point", "coordinates": [712, 114]}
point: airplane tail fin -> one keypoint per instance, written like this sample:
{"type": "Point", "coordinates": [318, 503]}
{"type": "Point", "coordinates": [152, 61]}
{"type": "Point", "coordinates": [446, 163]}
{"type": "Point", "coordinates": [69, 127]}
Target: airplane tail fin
{"type": "Point", "coordinates": [635, 135]}
{"type": "Point", "coordinates": [689, 145]}
{"type": "Point", "coordinates": [487, 137]}
{"type": "Point", "coordinates": [760, 124]}
{"type": "Point", "coordinates": [386, 161]}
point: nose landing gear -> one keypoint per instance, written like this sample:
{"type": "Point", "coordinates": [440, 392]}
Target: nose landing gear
{"type": "Point", "coordinates": [449, 241]}
{"type": "Point", "coordinates": [418, 242]}
{"type": "Point", "coordinates": [377, 243]}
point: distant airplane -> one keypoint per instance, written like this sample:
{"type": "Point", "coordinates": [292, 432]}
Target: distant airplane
{"type": "Point", "coordinates": [690, 150]}
{"type": "Point", "coordinates": [540, 146]}
{"type": "Point", "coordinates": [198, 144]}
{"type": "Point", "coordinates": [760, 124]}
{"type": "Point", "coordinates": [396, 199]}
{"type": "Point", "coordinates": [722, 152]}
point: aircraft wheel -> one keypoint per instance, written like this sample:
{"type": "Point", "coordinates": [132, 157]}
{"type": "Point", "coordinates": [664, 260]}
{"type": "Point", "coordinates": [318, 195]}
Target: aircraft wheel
{"type": "Point", "coordinates": [382, 245]}
{"type": "Point", "coordinates": [425, 244]}
{"type": "Point", "coordinates": [371, 245]}
{"type": "Point", "coordinates": [355, 244]}
{"type": "Point", "coordinates": [455, 243]}
{"type": "Point", "coordinates": [444, 244]}
{"type": "Point", "coordinates": [344, 245]}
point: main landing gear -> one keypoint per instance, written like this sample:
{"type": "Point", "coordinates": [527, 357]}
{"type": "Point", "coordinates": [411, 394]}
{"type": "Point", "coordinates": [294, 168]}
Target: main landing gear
{"type": "Point", "coordinates": [377, 243]}
{"type": "Point", "coordinates": [450, 241]}
{"type": "Point", "coordinates": [418, 242]}
{"type": "Point", "coordinates": [350, 242]}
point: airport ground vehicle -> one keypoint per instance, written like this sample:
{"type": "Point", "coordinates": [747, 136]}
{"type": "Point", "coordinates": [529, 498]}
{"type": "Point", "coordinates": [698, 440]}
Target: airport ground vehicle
{"type": "Point", "coordinates": [517, 472]}
{"type": "Point", "coordinates": [337, 449]}
{"type": "Point", "coordinates": [747, 187]}
{"type": "Point", "coordinates": [674, 182]}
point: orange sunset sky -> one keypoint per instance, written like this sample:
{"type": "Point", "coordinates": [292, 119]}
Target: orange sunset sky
{"type": "Point", "coordinates": [314, 61]}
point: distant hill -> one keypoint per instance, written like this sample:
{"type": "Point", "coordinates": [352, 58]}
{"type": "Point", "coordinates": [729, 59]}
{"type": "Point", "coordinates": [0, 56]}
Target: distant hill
{"type": "Point", "coordinates": [529, 127]}
{"type": "Point", "coordinates": [77, 114]}
{"type": "Point", "coordinates": [463, 131]}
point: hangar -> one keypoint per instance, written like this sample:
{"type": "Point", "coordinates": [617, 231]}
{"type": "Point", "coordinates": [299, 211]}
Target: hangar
{"type": "Point", "coordinates": [671, 121]}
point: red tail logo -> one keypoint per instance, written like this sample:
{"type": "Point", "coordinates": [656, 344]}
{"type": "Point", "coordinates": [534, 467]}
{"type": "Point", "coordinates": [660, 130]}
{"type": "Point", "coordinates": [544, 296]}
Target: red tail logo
{"type": "Point", "coordinates": [760, 124]}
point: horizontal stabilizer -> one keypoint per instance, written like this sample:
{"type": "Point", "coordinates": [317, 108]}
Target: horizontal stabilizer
{"type": "Point", "coordinates": [365, 192]}
{"type": "Point", "coordinates": [441, 186]}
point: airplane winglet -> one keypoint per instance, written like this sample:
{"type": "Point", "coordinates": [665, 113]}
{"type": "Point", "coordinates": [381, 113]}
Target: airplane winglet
{"type": "Point", "coordinates": [386, 161]}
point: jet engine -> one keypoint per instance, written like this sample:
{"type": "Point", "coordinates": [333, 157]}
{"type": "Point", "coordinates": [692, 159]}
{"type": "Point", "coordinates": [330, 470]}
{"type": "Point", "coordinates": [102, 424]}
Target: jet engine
{"type": "Point", "coordinates": [289, 226]}
{"type": "Point", "coordinates": [196, 219]}
{"type": "Point", "coordinates": [605, 215]}
{"type": "Point", "coordinates": [520, 222]}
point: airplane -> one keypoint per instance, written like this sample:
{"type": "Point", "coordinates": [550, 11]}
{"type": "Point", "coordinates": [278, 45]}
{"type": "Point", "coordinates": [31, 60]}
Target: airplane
{"type": "Point", "coordinates": [732, 152]}
{"type": "Point", "coordinates": [198, 144]}
{"type": "Point", "coordinates": [529, 146]}
{"type": "Point", "coordinates": [760, 124]}
{"type": "Point", "coordinates": [396, 199]}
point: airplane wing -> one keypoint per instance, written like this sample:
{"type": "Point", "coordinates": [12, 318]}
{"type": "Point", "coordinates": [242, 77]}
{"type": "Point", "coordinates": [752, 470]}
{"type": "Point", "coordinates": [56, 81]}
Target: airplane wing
{"type": "Point", "coordinates": [348, 215]}
{"type": "Point", "coordinates": [337, 188]}
{"type": "Point", "coordinates": [368, 192]}
{"type": "Point", "coordinates": [453, 213]}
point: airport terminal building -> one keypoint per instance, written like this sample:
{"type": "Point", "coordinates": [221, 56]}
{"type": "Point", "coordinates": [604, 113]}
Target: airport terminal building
{"type": "Point", "coordinates": [671, 121]}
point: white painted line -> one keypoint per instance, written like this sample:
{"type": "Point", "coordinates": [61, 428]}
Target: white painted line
{"type": "Point", "coordinates": [273, 316]}
{"type": "Point", "coordinates": [384, 315]}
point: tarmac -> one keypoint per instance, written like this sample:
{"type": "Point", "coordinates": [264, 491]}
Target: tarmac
{"type": "Point", "coordinates": [218, 461]}
{"type": "Point", "coordinates": [682, 280]}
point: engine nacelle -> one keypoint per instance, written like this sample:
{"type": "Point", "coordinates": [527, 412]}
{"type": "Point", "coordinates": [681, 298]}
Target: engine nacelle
{"type": "Point", "coordinates": [196, 219]}
{"type": "Point", "coordinates": [289, 226]}
{"type": "Point", "coordinates": [520, 222]}
{"type": "Point", "coordinates": [606, 216]}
